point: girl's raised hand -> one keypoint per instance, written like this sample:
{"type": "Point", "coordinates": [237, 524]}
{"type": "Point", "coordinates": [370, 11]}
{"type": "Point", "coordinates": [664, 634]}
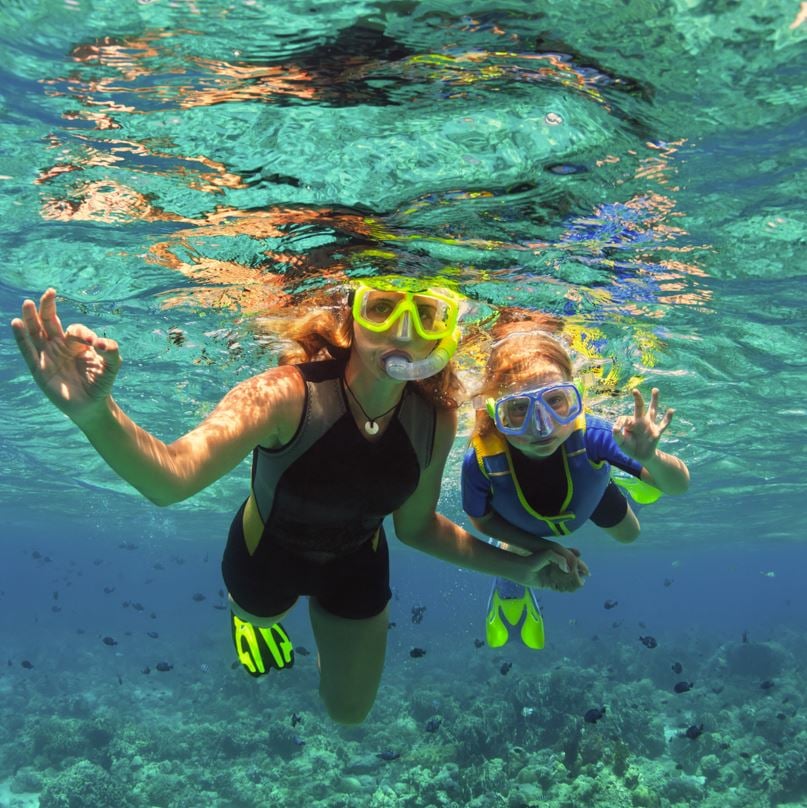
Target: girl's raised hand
{"type": "Point", "coordinates": [75, 367]}
{"type": "Point", "coordinates": [638, 434]}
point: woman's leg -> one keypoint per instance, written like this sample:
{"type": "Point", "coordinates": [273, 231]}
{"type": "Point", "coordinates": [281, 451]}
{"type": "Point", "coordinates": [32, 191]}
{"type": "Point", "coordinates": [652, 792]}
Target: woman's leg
{"type": "Point", "coordinates": [257, 621]}
{"type": "Point", "coordinates": [351, 660]}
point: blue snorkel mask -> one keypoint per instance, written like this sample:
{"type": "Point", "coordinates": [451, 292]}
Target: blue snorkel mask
{"type": "Point", "coordinates": [536, 412]}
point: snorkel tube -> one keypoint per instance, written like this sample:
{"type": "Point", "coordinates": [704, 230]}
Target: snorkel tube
{"type": "Point", "coordinates": [407, 370]}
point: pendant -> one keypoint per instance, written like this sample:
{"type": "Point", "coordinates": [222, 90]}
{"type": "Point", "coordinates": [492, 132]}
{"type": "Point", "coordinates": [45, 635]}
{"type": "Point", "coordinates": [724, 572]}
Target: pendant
{"type": "Point", "coordinates": [371, 427]}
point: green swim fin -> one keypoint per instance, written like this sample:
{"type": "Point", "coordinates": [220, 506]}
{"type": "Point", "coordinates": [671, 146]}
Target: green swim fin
{"type": "Point", "coordinates": [261, 649]}
{"type": "Point", "coordinates": [640, 492]}
{"type": "Point", "coordinates": [509, 605]}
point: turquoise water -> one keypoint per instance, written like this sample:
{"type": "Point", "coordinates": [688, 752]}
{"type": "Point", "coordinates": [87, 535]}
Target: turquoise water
{"type": "Point", "coordinates": [181, 171]}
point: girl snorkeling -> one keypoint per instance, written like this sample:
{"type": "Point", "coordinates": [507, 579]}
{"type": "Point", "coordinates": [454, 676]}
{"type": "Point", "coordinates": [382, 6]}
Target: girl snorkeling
{"type": "Point", "coordinates": [538, 468]}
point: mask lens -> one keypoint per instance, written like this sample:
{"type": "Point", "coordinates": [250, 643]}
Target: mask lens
{"type": "Point", "coordinates": [512, 413]}
{"type": "Point", "coordinates": [562, 402]}
{"type": "Point", "coordinates": [433, 315]}
{"type": "Point", "coordinates": [379, 308]}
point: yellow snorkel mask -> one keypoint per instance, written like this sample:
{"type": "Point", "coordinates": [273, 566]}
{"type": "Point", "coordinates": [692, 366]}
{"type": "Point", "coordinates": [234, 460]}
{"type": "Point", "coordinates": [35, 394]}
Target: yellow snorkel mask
{"type": "Point", "coordinates": [431, 312]}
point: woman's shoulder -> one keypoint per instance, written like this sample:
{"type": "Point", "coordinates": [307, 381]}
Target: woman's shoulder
{"type": "Point", "coordinates": [278, 391]}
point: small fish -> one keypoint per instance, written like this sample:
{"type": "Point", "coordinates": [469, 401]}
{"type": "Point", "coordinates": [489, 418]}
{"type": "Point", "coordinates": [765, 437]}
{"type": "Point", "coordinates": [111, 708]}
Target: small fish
{"type": "Point", "coordinates": [433, 724]}
{"type": "Point", "coordinates": [566, 168]}
{"type": "Point", "coordinates": [298, 741]}
{"type": "Point", "coordinates": [668, 582]}
{"type": "Point", "coordinates": [648, 641]}
{"type": "Point", "coordinates": [120, 679]}
{"type": "Point", "coordinates": [527, 711]}
{"type": "Point", "coordinates": [108, 590]}
{"type": "Point", "coordinates": [163, 666]}
{"type": "Point", "coordinates": [138, 607]}
{"type": "Point", "coordinates": [55, 608]}
{"type": "Point", "coordinates": [683, 687]}
{"type": "Point", "coordinates": [296, 719]}
{"type": "Point", "coordinates": [26, 664]}
{"type": "Point", "coordinates": [593, 715]}
{"type": "Point", "coordinates": [391, 624]}
{"type": "Point", "coordinates": [176, 335]}
{"type": "Point", "coordinates": [767, 684]}
{"type": "Point", "coordinates": [609, 604]}
{"type": "Point", "coordinates": [781, 716]}
{"type": "Point", "coordinates": [109, 641]}
{"type": "Point", "coordinates": [505, 668]}
{"type": "Point", "coordinates": [478, 643]}
{"type": "Point", "coordinates": [388, 754]}
{"type": "Point", "coordinates": [198, 597]}
{"type": "Point", "coordinates": [417, 613]}
{"type": "Point", "coordinates": [768, 573]}
{"type": "Point", "coordinates": [415, 653]}
{"type": "Point", "coordinates": [677, 667]}
{"type": "Point", "coordinates": [146, 670]}
{"type": "Point", "coordinates": [204, 667]}
{"type": "Point", "coordinates": [302, 650]}
{"type": "Point", "coordinates": [693, 732]}
{"type": "Point", "coordinates": [153, 634]}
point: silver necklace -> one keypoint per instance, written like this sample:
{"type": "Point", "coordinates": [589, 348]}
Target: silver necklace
{"type": "Point", "coordinates": [370, 425]}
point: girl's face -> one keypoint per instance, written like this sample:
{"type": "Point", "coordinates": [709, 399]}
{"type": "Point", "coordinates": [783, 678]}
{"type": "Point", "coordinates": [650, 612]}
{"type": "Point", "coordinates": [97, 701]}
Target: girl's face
{"type": "Point", "coordinates": [532, 445]}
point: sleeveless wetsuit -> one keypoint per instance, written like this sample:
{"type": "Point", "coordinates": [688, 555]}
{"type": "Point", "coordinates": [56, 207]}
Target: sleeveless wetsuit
{"type": "Point", "coordinates": [317, 504]}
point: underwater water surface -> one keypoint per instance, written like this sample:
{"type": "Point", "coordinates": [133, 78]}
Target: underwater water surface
{"type": "Point", "coordinates": [187, 173]}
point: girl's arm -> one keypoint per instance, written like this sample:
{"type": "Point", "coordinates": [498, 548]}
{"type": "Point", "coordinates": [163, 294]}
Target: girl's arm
{"type": "Point", "coordinates": [638, 436]}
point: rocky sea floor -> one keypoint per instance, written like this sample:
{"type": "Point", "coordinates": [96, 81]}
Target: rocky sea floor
{"type": "Point", "coordinates": [690, 722]}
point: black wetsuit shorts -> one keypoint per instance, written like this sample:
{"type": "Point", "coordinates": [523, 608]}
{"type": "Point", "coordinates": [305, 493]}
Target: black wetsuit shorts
{"type": "Point", "coordinates": [267, 583]}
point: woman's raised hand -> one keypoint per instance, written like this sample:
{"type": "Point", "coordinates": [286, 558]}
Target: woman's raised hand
{"type": "Point", "coordinates": [75, 367]}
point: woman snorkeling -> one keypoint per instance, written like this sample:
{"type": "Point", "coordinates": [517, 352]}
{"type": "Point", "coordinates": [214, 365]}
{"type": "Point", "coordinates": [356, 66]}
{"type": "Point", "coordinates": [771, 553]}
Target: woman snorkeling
{"type": "Point", "coordinates": [356, 425]}
{"type": "Point", "coordinates": [539, 467]}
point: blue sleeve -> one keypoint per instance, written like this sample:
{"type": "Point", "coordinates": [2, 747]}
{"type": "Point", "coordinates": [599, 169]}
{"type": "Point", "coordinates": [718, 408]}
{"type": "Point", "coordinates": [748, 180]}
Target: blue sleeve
{"type": "Point", "coordinates": [475, 486]}
{"type": "Point", "coordinates": [600, 445]}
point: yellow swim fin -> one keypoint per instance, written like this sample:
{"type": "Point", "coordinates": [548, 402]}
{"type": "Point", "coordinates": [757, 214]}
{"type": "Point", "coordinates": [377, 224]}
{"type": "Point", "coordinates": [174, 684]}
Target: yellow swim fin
{"type": "Point", "coordinates": [640, 492]}
{"type": "Point", "coordinates": [509, 605]}
{"type": "Point", "coordinates": [260, 649]}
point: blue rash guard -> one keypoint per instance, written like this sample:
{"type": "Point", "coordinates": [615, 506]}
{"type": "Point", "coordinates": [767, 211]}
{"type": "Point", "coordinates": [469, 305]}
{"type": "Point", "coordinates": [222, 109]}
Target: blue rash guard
{"type": "Point", "coordinates": [489, 481]}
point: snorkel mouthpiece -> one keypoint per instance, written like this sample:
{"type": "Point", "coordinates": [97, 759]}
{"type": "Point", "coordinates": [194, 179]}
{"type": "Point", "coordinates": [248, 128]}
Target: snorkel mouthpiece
{"type": "Point", "coordinates": [407, 370]}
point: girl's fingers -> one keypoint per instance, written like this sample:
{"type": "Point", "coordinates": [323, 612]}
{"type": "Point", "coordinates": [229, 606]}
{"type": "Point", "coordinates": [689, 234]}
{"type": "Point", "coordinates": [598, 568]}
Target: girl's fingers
{"type": "Point", "coordinates": [666, 420]}
{"type": "Point", "coordinates": [638, 404]}
{"type": "Point", "coordinates": [653, 408]}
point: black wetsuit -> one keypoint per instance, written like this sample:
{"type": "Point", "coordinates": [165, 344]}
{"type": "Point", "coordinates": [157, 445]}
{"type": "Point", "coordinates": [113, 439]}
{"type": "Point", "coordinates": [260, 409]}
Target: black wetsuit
{"type": "Point", "coordinates": [322, 498]}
